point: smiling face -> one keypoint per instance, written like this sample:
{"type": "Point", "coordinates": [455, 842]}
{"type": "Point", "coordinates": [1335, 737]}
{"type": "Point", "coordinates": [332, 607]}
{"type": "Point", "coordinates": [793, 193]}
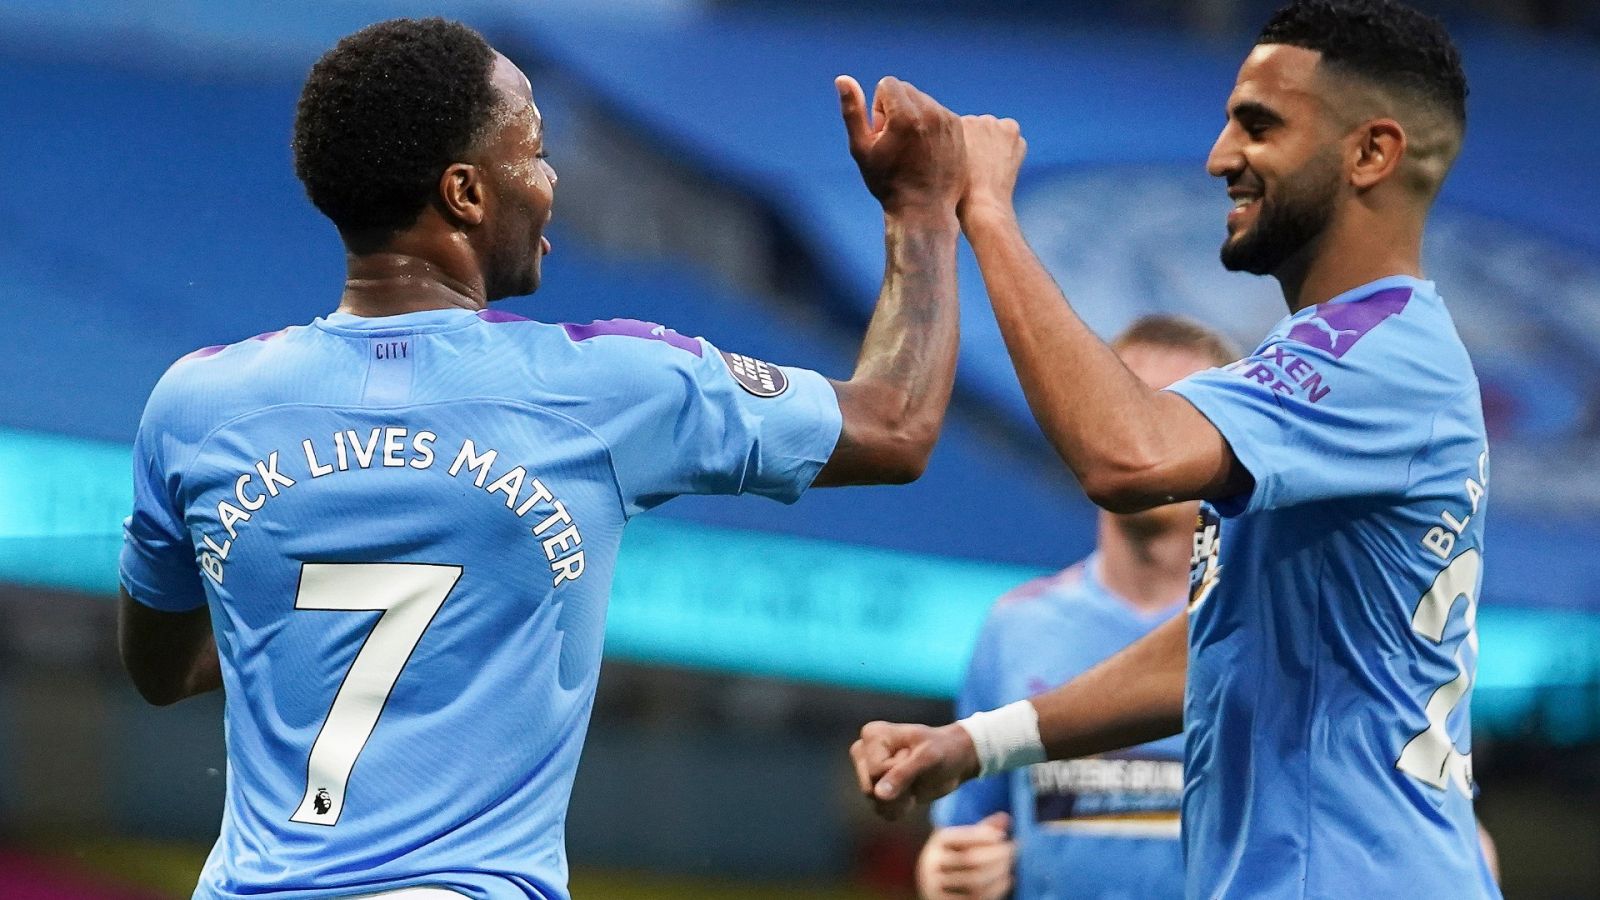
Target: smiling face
{"type": "Point", "coordinates": [1281, 156]}
{"type": "Point", "coordinates": [520, 188]}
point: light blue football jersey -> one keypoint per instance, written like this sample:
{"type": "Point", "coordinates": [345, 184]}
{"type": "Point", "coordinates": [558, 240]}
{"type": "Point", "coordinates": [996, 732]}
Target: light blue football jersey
{"type": "Point", "coordinates": [405, 529]}
{"type": "Point", "coordinates": [1101, 828]}
{"type": "Point", "coordinates": [1331, 628]}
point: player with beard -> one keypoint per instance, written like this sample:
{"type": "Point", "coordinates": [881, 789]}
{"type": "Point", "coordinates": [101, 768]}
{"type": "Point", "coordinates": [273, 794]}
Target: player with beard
{"type": "Point", "coordinates": [1325, 669]}
{"type": "Point", "coordinates": [390, 532]}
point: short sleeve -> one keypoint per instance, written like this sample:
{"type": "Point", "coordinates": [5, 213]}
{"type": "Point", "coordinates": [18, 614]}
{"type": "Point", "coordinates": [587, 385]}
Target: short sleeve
{"type": "Point", "coordinates": [980, 690]}
{"type": "Point", "coordinates": [157, 566]}
{"type": "Point", "coordinates": [1312, 424]}
{"type": "Point", "coordinates": [683, 417]}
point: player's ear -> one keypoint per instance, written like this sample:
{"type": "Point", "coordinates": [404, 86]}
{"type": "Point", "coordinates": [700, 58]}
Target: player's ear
{"type": "Point", "coordinates": [1381, 144]}
{"type": "Point", "coordinates": [461, 193]}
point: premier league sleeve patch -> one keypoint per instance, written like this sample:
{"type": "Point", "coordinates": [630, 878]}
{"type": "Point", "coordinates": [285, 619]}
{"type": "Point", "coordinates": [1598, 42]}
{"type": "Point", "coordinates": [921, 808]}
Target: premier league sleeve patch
{"type": "Point", "coordinates": [762, 379]}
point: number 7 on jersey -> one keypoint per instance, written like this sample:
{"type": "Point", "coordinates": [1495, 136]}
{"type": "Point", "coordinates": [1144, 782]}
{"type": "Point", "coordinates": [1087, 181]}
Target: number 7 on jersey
{"type": "Point", "coordinates": [408, 595]}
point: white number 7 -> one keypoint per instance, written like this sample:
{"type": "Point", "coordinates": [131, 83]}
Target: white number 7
{"type": "Point", "coordinates": [408, 594]}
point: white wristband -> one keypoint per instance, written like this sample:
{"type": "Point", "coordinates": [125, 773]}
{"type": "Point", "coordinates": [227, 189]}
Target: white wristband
{"type": "Point", "coordinates": [1006, 738]}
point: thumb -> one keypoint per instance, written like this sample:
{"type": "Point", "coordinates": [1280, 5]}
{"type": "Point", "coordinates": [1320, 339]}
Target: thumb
{"type": "Point", "coordinates": [902, 776]}
{"type": "Point", "coordinates": [1000, 821]}
{"type": "Point", "coordinates": [853, 105]}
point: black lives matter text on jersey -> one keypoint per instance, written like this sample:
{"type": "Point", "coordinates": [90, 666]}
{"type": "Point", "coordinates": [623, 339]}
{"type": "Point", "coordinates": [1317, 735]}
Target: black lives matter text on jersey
{"type": "Point", "coordinates": [397, 447]}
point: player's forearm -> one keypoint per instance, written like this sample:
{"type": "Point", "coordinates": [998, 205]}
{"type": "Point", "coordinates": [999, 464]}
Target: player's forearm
{"type": "Point", "coordinates": [194, 671]}
{"type": "Point", "coordinates": [1133, 697]}
{"type": "Point", "coordinates": [894, 404]}
{"type": "Point", "coordinates": [1103, 421]}
{"type": "Point", "coordinates": [168, 656]}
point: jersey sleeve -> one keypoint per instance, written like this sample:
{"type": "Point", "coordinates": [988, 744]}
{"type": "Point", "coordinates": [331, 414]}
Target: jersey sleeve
{"type": "Point", "coordinates": [980, 690]}
{"type": "Point", "coordinates": [157, 564]}
{"type": "Point", "coordinates": [684, 417]}
{"type": "Point", "coordinates": [1311, 423]}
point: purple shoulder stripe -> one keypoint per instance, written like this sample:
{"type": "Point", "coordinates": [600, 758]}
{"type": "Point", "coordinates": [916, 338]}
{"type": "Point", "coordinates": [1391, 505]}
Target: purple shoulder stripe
{"type": "Point", "coordinates": [204, 352]}
{"type": "Point", "coordinates": [1335, 327]}
{"type": "Point", "coordinates": [497, 315]}
{"type": "Point", "coordinates": [632, 328]}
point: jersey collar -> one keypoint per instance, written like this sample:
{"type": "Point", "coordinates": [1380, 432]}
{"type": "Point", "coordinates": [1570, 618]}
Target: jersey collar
{"type": "Point", "coordinates": [1417, 286]}
{"type": "Point", "coordinates": [406, 323]}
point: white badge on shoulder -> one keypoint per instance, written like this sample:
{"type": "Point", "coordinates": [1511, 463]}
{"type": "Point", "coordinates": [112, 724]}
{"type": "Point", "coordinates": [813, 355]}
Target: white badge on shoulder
{"type": "Point", "coordinates": [760, 378]}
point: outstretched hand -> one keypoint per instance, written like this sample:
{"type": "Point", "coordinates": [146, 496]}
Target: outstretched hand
{"type": "Point", "coordinates": [995, 150]}
{"type": "Point", "coordinates": [898, 765]}
{"type": "Point", "coordinates": [911, 151]}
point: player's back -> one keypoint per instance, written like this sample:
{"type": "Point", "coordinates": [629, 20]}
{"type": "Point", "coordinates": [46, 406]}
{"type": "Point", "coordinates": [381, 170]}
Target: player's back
{"type": "Point", "coordinates": [408, 527]}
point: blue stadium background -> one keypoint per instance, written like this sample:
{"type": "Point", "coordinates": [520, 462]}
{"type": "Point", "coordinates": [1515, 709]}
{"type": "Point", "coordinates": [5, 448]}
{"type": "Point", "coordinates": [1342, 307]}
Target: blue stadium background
{"type": "Point", "coordinates": [152, 209]}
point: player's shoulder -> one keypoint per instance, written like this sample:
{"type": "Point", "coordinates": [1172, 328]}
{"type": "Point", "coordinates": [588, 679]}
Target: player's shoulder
{"type": "Point", "coordinates": [615, 353]}
{"type": "Point", "coordinates": [648, 356]}
{"type": "Point", "coordinates": [634, 339]}
{"type": "Point", "coordinates": [643, 353]}
{"type": "Point", "coordinates": [200, 383]}
{"type": "Point", "coordinates": [1394, 334]}
{"type": "Point", "coordinates": [1393, 316]}
{"type": "Point", "coordinates": [208, 361]}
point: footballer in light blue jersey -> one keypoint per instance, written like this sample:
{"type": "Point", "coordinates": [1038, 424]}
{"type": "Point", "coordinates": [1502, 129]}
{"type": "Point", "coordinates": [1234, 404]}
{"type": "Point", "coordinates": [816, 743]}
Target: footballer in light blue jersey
{"type": "Point", "coordinates": [1323, 675]}
{"type": "Point", "coordinates": [390, 533]}
{"type": "Point", "coordinates": [1104, 827]}
{"type": "Point", "coordinates": [405, 528]}
{"type": "Point", "coordinates": [1331, 625]}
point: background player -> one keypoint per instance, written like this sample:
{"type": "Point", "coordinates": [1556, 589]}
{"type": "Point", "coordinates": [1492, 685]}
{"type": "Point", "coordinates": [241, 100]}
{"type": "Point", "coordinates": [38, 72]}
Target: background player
{"type": "Point", "coordinates": [390, 533]}
{"type": "Point", "coordinates": [1331, 644]}
{"type": "Point", "coordinates": [1099, 828]}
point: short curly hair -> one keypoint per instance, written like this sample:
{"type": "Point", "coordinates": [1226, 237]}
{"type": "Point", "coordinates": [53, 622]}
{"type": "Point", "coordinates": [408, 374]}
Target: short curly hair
{"type": "Point", "coordinates": [1382, 41]}
{"type": "Point", "coordinates": [384, 112]}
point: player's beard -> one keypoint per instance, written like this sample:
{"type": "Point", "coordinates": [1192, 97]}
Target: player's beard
{"type": "Point", "coordinates": [1293, 214]}
{"type": "Point", "coordinates": [514, 269]}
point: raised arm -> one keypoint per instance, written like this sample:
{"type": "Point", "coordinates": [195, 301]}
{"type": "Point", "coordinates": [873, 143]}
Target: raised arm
{"type": "Point", "coordinates": [911, 154]}
{"type": "Point", "coordinates": [168, 655]}
{"type": "Point", "coordinates": [1133, 697]}
{"type": "Point", "coordinates": [1131, 447]}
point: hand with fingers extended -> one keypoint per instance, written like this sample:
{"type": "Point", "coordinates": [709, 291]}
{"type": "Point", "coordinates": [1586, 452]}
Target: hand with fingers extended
{"type": "Point", "coordinates": [995, 149]}
{"type": "Point", "coordinates": [898, 765]}
{"type": "Point", "coordinates": [910, 150]}
{"type": "Point", "coordinates": [968, 861]}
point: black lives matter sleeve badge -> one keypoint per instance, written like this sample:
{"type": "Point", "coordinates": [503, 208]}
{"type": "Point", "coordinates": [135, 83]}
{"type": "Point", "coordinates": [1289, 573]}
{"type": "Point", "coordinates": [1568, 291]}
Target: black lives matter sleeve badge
{"type": "Point", "coordinates": [760, 378]}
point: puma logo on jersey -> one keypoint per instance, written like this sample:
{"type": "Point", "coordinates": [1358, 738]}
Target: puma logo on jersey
{"type": "Point", "coordinates": [1336, 327]}
{"type": "Point", "coordinates": [1334, 334]}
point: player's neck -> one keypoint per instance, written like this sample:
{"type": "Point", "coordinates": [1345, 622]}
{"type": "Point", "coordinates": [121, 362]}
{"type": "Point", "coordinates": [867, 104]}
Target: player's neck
{"type": "Point", "coordinates": [1347, 257]}
{"type": "Point", "coordinates": [1148, 569]}
{"type": "Point", "coordinates": [394, 283]}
